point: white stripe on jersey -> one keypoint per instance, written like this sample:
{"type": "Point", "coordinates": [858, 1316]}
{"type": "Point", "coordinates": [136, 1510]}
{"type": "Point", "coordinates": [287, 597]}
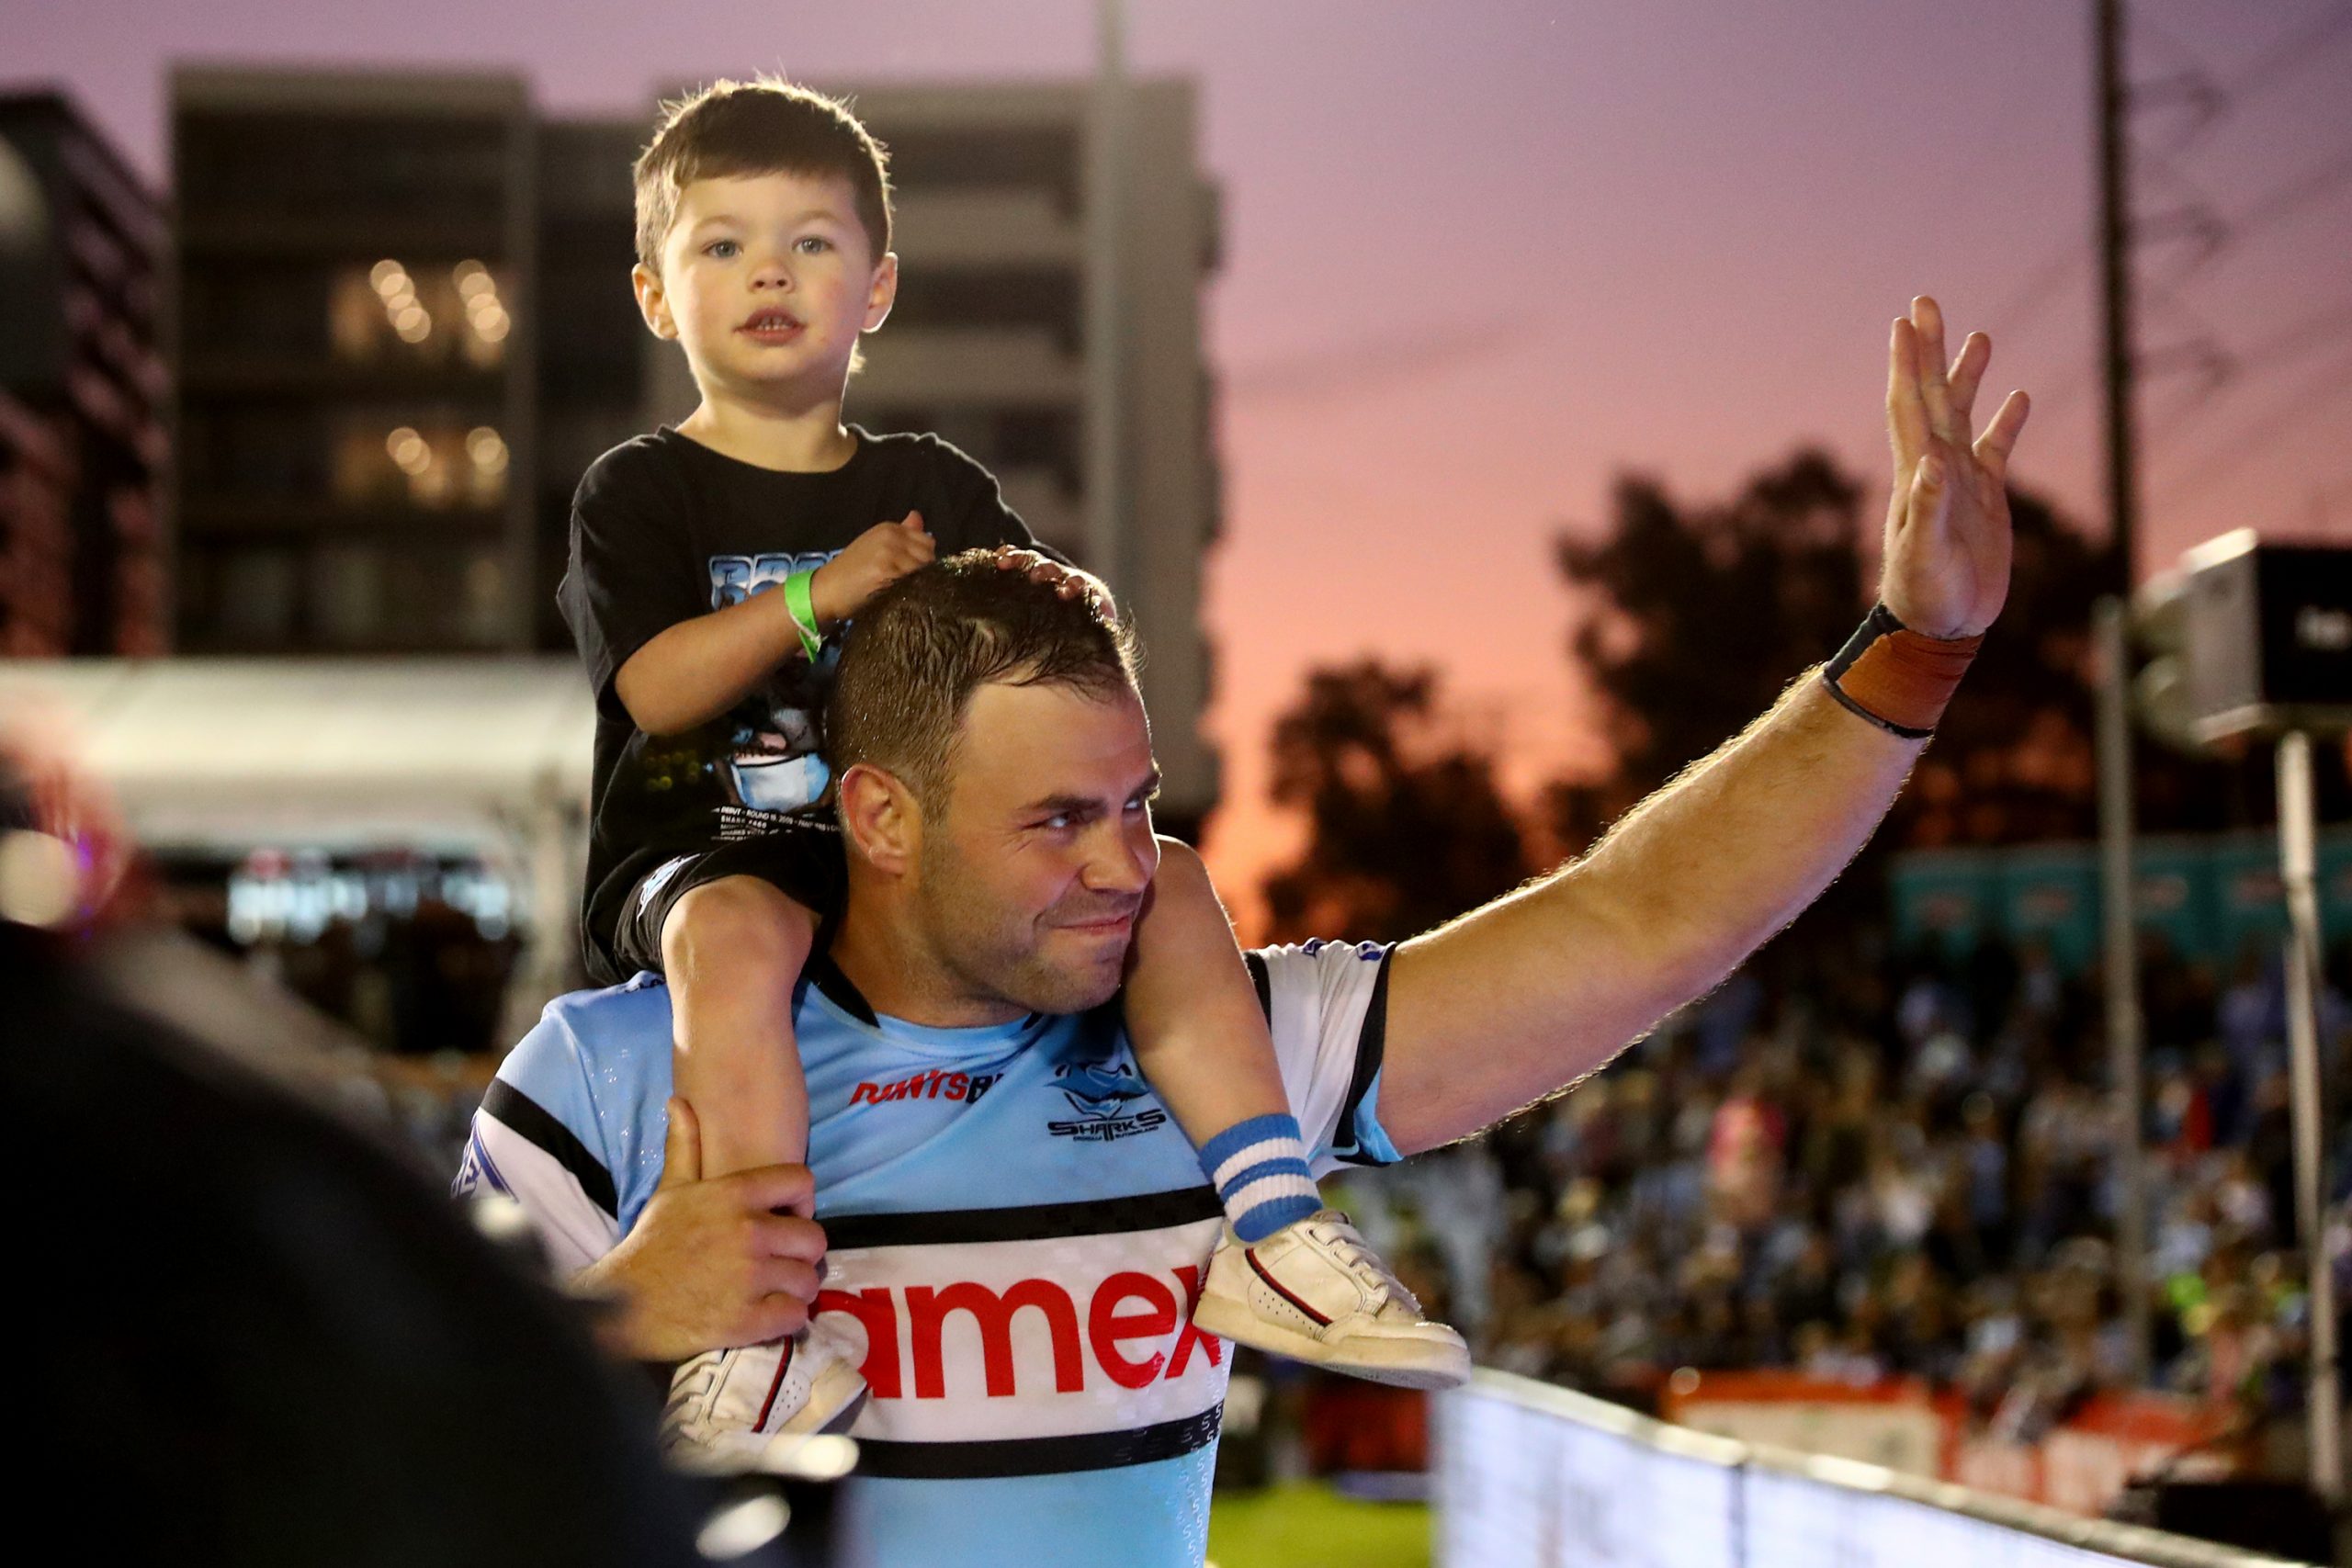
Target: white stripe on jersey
{"type": "Point", "coordinates": [573, 1230]}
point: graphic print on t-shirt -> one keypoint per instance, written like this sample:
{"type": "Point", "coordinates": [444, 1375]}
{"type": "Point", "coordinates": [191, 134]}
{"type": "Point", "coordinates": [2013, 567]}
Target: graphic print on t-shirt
{"type": "Point", "coordinates": [772, 767]}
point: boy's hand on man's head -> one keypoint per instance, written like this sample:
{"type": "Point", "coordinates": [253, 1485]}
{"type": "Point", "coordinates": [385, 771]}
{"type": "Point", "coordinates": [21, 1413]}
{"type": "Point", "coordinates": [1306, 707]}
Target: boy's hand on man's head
{"type": "Point", "coordinates": [874, 559]}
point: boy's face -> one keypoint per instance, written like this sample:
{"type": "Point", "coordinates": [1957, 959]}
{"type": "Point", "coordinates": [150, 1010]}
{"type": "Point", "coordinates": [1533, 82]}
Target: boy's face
{"type": "Point", "coordinates": [767, 280]}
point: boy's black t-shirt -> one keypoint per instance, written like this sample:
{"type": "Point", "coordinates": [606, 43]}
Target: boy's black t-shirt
{"type": "Point", "coordinates": [663, 529]}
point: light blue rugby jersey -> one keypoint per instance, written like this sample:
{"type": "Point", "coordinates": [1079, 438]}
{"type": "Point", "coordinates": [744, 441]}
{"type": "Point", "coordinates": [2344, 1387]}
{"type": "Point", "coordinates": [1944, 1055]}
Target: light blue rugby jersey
{"type": "Point", "coordinates": [1015, 1222]}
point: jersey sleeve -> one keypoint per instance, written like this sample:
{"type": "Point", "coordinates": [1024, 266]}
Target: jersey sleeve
{"type": "Point", "coordinates": [630, 574]}
{"type": "Point", "coordinates": [1327, 1004]}
{"type": "Point", "coordinates": [537, 1139]}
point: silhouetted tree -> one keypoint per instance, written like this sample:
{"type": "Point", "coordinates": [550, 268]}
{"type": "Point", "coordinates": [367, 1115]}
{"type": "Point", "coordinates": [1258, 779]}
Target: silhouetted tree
{"type": "Point", "coordinates": [1697, 617]}
{"type": "Point", "coordinates": [1701, 615]}
{"type": "Point", "coordinates": [1406, 824]}
{"type": "Point", "coordinates": [1694, 620]}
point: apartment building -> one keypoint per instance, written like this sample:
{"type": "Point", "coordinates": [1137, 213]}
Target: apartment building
{"type": "Point", "coordinates": [82, 385]}
{"type": "Point", "coordinates": [405, 327]}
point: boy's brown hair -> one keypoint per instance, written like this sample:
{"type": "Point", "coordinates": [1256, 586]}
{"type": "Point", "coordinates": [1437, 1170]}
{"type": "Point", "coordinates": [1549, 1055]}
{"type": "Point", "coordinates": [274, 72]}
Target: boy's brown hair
{"type": "Point", "coordinates": [757, 128]}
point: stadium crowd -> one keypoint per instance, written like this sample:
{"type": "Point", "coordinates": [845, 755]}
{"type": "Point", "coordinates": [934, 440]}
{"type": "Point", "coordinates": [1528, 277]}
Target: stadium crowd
{"type": "Point", "coordinates": [1898, 1166]}
{"type": "Point", "coordinates": [1885, 1164]}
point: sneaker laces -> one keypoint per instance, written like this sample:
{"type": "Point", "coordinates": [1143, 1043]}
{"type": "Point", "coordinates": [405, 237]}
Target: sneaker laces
{"type": "Point", "coordinates": [700, 1380]}
{"type": "Point", "coordinates": [690, 1390]}
{"type": "Point", "coordinates": [1362, 1261]}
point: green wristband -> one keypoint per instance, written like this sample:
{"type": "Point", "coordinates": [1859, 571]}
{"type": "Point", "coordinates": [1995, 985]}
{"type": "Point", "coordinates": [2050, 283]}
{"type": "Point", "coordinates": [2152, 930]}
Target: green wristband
{"type": "Point", "coordinates": [801, 603]}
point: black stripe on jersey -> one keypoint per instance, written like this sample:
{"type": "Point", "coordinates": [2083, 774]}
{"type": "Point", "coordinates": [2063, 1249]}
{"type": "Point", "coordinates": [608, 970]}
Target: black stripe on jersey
{"type": "Point", "coordinates": [1031, 1221]}
{"type": "Point", "coordinates": [519, 1112]}
{"type": "Point", "coordinates": [1372, 1046]}
{"type": "Point", "coordinates": [1262, 980]}
{"type": "Point", "coordinates": [1037, 1455]}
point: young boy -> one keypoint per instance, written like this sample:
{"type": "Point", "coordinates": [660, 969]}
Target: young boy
{"type": "Point", "coordinates": [709, 563]}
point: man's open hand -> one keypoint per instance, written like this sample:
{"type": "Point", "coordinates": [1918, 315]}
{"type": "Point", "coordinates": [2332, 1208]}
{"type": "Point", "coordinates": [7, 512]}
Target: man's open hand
{"type": "Point", "coordinates": [711, 1265]}
{"type": "Point", "coordinates": [1069, 582]}
{"type": "Point", "coordinates": [1946, 568]}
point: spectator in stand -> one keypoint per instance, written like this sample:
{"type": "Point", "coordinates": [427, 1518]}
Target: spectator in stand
{"type": "Point", "coordinates": [1908, 1174]}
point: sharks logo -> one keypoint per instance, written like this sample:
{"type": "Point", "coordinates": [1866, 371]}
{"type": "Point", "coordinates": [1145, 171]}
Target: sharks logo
{"type": "Point", "coordinates": [1100, 1092]}
{"type": "Point", "coordinates": [1098, 1088]}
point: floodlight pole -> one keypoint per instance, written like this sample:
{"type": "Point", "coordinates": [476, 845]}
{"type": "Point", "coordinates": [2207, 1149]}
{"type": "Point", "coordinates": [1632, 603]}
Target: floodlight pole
{"type": "Point", "coordinates": [1106, 156]}
{"type": "Point", "coordinates": [2125, 1028]}
{"type": "Point", "coordinates": [2298, 867]}
{"type": "Point", "coordinates": [2116, 354]}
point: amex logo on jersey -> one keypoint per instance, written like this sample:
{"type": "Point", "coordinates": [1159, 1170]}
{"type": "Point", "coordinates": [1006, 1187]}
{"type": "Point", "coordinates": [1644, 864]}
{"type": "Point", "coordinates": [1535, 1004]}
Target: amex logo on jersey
{"type": "Point", "coordinates": [1009, 1339]}
{"type": "Point", "coordinates": [1137, 1326]}
{"type": "Point", "coordinates": [1101, 1092]}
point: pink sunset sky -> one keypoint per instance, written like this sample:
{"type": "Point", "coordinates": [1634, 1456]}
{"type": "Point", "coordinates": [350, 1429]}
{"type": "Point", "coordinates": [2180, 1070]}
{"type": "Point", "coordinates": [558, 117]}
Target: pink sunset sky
{"type": "Point", "coordinates": [1482, 258]}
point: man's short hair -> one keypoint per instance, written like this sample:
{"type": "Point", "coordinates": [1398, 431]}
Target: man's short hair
{"type": "Point", "coordinates": [765, 126]}
{"type": "Point", "coordinates": [923, 645]}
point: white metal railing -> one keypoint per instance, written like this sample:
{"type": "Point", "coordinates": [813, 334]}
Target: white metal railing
{"type": "Point", "coordinates": [1533, 1476]}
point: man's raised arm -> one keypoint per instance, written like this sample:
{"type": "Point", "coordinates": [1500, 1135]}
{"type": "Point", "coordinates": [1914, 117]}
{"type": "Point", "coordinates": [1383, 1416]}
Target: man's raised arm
{"type": "Point", "coordinates": [1541, 988]}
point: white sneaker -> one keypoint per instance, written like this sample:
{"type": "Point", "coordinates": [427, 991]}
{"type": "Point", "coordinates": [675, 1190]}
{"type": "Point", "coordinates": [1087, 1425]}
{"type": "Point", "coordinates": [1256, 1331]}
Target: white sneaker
{"type": "Point", "coordinates": [1314, 1292]}
{"type": "Point", "coordinates": [727, 1407]}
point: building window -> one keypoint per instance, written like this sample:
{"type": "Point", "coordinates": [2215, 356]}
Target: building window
{"type": "Point", "coordinates": [438, 455]}
{"type": "Point", "coordinates": [389, 596]}
{"type": "Point", "coordinates": [313, 168]}
{"type": "Point", "coordinates": [252, 452]}
{"type": "Point", "coordinates": [431, 463]}
{"type": "Point", "coordinates": [485, 598]}
{"type": "Point", "coordinates": [347, 595]}
{"type": "Point", "coordinates": [967, 156]}
{"type": "Point", "coordinates": [445, 597]}
{"type": "Point", "coordinates": [253, 598]}
{"type": "Point", "coordinates": [1043, 299]}
{"type": "Point", "coordinates": [429, 314]}
{"type": "Point", "coordinates": [258, 312]}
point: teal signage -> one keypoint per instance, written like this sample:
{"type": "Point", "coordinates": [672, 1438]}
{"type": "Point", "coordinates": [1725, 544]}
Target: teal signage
{"type": "Point", "coordinates": [2206, 897]}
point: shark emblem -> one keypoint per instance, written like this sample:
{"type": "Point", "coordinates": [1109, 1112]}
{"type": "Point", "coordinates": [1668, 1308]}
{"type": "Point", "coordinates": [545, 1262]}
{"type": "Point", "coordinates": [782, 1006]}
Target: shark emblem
{"type": "Point", "coordinates": [1100, 1089]}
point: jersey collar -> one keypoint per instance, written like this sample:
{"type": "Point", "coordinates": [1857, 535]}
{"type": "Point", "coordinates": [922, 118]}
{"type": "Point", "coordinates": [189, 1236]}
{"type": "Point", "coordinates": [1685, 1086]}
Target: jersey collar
{"type": "Point", "coordinates": [842, 991]}
{"type": "Point", "coordinates": [826, 975]}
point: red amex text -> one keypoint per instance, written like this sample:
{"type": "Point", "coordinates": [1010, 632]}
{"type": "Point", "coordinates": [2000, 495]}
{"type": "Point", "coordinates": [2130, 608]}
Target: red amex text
{"type": "Point", "coordinates": [1127, 1315]}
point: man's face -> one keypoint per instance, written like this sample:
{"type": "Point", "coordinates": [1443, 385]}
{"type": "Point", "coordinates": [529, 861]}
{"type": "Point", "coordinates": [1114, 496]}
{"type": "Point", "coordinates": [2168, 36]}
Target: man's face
{"type": "Point", "coordinates": [1034, 867]}
{"type": "Point", "coordinates": [767, 280]}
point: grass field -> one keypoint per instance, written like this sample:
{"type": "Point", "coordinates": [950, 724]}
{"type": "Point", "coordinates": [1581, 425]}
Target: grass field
{"type": "Point", "coordinates": [1307, 1525]}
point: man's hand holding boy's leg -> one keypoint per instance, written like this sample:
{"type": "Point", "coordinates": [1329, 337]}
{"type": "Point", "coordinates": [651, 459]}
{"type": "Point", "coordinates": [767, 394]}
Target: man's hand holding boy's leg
{"type": "Point", "coordinates": [711, 1263]}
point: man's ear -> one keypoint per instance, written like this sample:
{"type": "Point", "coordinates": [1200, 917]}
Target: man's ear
{"type": "Point", "coordinates": [883, 292]}
{"type": "Point", "coordinates": [881, 817]}
{"type": "Point", "coordinates": [652, 303]}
